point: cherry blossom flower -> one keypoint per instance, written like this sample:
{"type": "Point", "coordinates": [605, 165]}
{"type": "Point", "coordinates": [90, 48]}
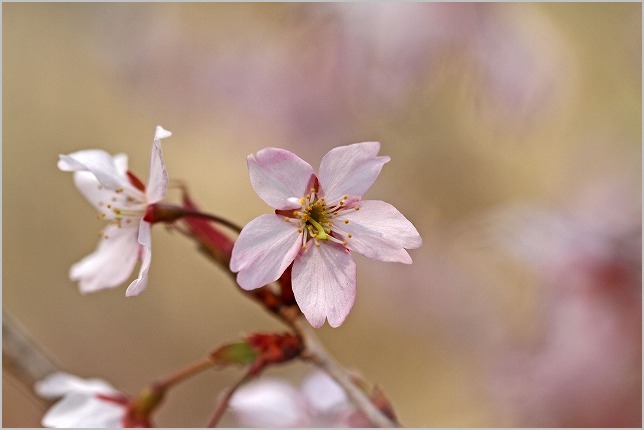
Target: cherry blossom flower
{"type": "Point", "coordinates": [319, 220]}
{"type": "Point", "coordinates": [85, 403]}
{"type": "Point", "coordinates": [319, 402]}
{"type": "Point", "coordinates": [122, 200]}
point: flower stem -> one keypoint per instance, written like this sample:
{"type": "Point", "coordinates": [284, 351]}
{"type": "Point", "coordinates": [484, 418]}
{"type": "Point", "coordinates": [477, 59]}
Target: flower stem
{"type": "Point", "coordinates": [184, 373]}
{"type": "Point", "coordinates": [214, 218]}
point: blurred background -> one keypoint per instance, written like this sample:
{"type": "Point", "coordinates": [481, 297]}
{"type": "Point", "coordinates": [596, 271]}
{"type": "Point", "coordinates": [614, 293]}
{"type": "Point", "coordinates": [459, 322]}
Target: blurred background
{"type": "Point", "coordinates": [515, 137]}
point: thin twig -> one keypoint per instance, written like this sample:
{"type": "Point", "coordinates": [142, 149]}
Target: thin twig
{"type": "Point", "coordinates": [318, 355]}
{"type": "Point", "coordinates": [224, 399]}
{"type": "Point", "coordinates": [184, 373]}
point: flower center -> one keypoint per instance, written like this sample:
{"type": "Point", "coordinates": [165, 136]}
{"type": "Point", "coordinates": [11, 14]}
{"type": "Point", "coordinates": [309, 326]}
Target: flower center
{"type": "Point", "coordinates": [318, 220]}
{"type": "Point", "coordinates": [120, 206]}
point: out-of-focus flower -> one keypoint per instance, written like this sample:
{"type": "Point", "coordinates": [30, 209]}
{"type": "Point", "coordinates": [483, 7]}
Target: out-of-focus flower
{"type": "Point", "coordinates": [122, 200]}
{"type": "Point", "coordinates": [319, 220]}
{"type": "Point", "coordinates": [585, 369]}
{"type": "Point", "coordinates": [85, 403]}
{"type": "Point", "coordinates": [319, 402]}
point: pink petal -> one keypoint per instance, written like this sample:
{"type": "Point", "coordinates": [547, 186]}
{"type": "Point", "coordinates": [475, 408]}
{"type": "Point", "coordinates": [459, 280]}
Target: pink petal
{"type": "Point", "coordinates": [265, 248]}
{"type": "Point", "coordinates": [111, 263]}
{"type": "Point", "coordinates": [98, 162]}
{"type": "Point", "coordinates": [350, 170]}
{"type": "Point", "coordinates": [324, 283]}
{"type": "Point", "coordinates": [279, 177]}
{"type": "Point", "coordinates": [158, 180]}
{"type": "Point", "coordinates": [78, 410]}
{"type": "Point", "coordinates": [145, 240]}
{"type": "Point", "coordinates": [379, 231]}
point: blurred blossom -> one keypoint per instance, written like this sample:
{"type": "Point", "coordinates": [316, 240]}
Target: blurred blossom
{"type": "Point", "coordinates": [523, 63]}
{"type": "Point", "coordinates": [319, 402]}
{"type": "Point", "coordinates": [585, 368]}
{"type": "Point", "coordinates": [85, 403]}
{"type": "Point", "coordinates": [314, 71]}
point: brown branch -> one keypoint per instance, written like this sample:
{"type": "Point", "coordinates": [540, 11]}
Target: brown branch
{"type": "Point", "coordinates": [24, 362]}
{"type": "Point", "coordinates": [316, 353]}
{"type": "Point", "coordinates": [21, 355]}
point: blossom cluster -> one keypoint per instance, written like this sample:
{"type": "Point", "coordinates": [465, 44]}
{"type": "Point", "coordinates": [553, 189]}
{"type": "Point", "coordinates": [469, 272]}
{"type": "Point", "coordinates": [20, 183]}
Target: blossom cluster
{"type": "Point", "coordinates": [320, 219]}
{"type": "Point", "coordinates": [307, 244]}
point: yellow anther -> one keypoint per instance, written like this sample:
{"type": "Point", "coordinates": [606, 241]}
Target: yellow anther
{"type": "Point", "coordinates": [116, 211]}
{"type": "Point", "coordinates": [299, 230]}
{"type": "Point", "coordinates": [344, 197]}
{"type": "Point", "coordinates": [346, 221]}
{"type": "Point", "coordinates": [109, 206]}
{"type": "Point", "coordinates": [119, 190]}
{"type": "Point", "coordinates": [349, 235]}
{"type": "Point", "coordinates": [357, 208]}
{"type": "Point", "coordinates": [287, 219]}
{"type": "Point", "coordinates": [344, 242]}
{"type": "Point", "coordinates": [302, 201]}
{"type": "Point", "coordinates": [341, 203]}
{"type": "Point", "coordinates": [313, 190]}
{"type": "Point", "coordinates": [317, 243]}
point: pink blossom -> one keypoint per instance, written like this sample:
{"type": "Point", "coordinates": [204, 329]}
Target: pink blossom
{"type": "Point", "coordinates": [122, 200]}
{"type": "Point", "coordinates": [319, 402]}
{"type": "Point", "coordinates": [85, 403]}
{"type": "Point", "coordinates": [585, 368]}
{"type": "Point", "coordinates": [319, 220]}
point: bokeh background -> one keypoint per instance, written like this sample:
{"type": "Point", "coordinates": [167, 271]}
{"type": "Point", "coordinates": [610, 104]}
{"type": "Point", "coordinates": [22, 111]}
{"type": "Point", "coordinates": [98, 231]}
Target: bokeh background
{"type": "Point", "coordinates": [515, 137]}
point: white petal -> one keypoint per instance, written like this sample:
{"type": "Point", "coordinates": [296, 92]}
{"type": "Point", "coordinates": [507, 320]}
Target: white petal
{"type": "Point", "coordinates": [161, 133]}
{"type": "Point", "coordinates": [158, 180]}
{"type": "Point", "coordinates": [78, 410]}
{"type": "Point", "coordinates": [100, 197]}
{"type": "Point", "coordinates": [279, 177]}
{"type": "Point", "coordinates": [60, 383]}
{"type": "Point", "coordinates": [145, 240]}
{"type": "Point", "coordinates": [323, 393]}
{"type": "Point", "coordinates": [324, 283]}
{"type": "Point", "coordinates": [268, 403]}
{"type": "Point", "coordinates": [96, 161]}
{"type": "Point", "coordinates": [379, 231]}
{"type": "Point", "coordinates": [350, 170]}
{"type": "Point", "coordinates": [111, 263]}
{"type": "Point", "coordinates": [265, 248]}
